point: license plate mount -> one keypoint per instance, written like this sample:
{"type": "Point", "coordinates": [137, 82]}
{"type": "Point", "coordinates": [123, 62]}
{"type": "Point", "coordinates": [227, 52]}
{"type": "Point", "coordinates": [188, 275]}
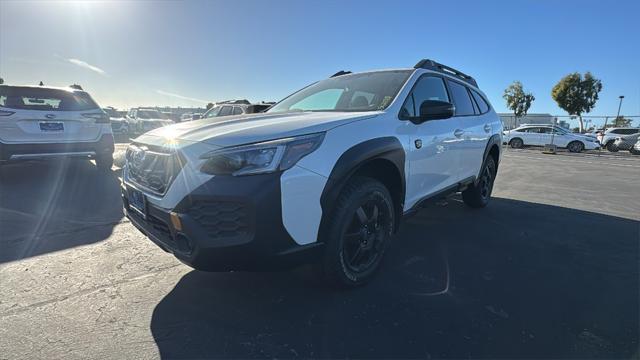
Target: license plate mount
{"type": "Point", "coordinates": [51, 126]}
{"type": "Point", "coordinates": [137, 202]}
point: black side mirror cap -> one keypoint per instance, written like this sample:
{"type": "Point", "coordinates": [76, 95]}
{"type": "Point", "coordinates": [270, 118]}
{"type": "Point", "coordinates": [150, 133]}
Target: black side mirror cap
{"type": "Point", "coordinates": [436, 110]}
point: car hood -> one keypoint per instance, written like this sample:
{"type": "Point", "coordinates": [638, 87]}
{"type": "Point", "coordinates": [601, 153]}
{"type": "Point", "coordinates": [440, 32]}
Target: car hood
{"type": "Point", "coordinates": [245, 129]}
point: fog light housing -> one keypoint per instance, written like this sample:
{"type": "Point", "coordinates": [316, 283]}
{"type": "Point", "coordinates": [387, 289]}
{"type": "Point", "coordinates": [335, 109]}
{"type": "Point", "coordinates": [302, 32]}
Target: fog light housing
{"type": "Point", "coordinates": [175, 221]}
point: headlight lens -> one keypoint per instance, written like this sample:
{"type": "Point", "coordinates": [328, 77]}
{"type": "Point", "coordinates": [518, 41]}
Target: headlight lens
{"type": "Point", "coordinates": [260, 158]}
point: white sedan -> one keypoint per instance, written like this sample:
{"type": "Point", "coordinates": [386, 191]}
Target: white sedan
{"type": "Point", "coordinates": [540, 135]}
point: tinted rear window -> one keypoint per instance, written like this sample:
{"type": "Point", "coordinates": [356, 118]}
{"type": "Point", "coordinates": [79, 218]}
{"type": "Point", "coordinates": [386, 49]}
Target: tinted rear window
{"type": "Point", "coordinates": [28, 98]}
{"type": "Point", "coordinates": [482, 104]}
{"type": "Point", "coordinates": [461, 99]}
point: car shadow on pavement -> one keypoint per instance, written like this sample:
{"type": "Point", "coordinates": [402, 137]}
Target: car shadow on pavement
{"type": "Point", "coordinates": [517, 279]}
{"type": "Point", "coordinates": [55, 205]}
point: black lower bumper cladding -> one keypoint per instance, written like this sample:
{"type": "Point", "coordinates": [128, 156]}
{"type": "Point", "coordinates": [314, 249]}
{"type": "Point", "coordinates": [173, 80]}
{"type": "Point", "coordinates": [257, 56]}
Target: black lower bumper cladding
{"type": "Point", "coordinates": [228, 223]}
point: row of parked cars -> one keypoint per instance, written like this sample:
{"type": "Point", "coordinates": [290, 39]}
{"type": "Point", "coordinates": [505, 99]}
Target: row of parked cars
{"type": "Point", "coordinates": [614, 139]}
{"type": "Point", "coordinates": [140, 120]}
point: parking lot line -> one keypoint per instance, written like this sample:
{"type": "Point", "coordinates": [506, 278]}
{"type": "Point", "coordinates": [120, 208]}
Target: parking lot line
{"type": "Point", "coordinates": [573, 161]}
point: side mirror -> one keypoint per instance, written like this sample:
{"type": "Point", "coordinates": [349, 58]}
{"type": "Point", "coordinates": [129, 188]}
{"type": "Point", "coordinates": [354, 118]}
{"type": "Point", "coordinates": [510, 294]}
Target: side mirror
{"type": "Point", "coordinates": [435, 110]}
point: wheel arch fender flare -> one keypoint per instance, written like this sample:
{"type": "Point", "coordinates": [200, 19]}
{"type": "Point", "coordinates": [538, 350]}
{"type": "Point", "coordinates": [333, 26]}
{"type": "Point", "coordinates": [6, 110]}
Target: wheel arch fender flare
{"type": "Point", "coordinates": [354, 159]}
{"type": "Point", "coordinates": [493, 141]}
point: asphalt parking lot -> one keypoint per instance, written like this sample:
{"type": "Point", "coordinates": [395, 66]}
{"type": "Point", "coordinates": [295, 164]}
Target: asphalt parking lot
{"type": "Point", "coordinates": [548, 270]}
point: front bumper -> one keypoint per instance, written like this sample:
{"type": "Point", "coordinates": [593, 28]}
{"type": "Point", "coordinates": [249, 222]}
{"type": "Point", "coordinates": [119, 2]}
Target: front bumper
{"type": "Point", "coordinates": [104, 145]}
{"type": "Point", "coordinates": [228, 223]}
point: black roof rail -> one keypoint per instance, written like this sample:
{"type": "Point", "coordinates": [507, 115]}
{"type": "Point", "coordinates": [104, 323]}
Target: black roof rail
{"type": "Point", "coordinates": [340, 73]}
{"type": "Point", "coordinates": [435, 66]}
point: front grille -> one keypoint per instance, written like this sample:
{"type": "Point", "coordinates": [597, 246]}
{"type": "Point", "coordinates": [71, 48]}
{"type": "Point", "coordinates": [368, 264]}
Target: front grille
{"type": "Point", "coordinates": [221, 218]}
{"type": "Point", "coordinates": [151, 169]}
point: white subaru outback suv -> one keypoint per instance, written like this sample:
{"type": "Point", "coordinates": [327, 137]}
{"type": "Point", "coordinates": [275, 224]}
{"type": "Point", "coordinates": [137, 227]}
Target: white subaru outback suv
{"type": "Point", "coordinates": [324, 176]}
{"type": "Point", "coordinates": [41, 122]}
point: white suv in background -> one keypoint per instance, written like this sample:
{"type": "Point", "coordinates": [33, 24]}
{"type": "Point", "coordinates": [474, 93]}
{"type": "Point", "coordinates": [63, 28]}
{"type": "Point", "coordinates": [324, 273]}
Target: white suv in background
{"type": "Point", "coordinates": [541, 135]}
{"type": "Point", "coordinates": [141, 120]}
{"type": "Point", "coordinates": [608, 139]}
{"type": "Point", "coordinates": [325, 176]}
{"type": "Point", "coordinates": [41, 121]}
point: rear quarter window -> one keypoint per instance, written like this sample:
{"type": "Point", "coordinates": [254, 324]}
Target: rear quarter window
{"type": "Point", "coordinates": [461, 99]}
{"type": "Point", "coordinates": [482, 104]}
{"type": "Point", "coordinates": [30, 98]}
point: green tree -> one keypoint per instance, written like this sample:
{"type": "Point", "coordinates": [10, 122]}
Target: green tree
{"type": "Point", "coordinates": [620, 121]}
{"type": "Point", "coordinates": [576, 94]}
{"type": "Point", "coordinates": [209, 106]}
{"type": "Point", "coordinates": [1, 81]}
{"type": "Point", "coordinates": [517, 100]}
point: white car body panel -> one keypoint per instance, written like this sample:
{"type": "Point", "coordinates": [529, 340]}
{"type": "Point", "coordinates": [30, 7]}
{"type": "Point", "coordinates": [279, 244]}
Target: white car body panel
{"type": "Point", "coordinates": [301, 211]}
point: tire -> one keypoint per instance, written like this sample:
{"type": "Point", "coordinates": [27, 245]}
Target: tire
{"type": "Point", "coordinates": [478, 195]}
{"type": "Point", "coordinates": [611, 146]}
{"type": "Point", "coordinates": [516, 143]}
{"type": "Point", "coordinates": [575, 146]}
{"type": "Point", "coordinates": [358, 232]}
{"type": "Point", "coordinates": [634, 151]}
{"type": "Point", "coordinates": [104, 162]}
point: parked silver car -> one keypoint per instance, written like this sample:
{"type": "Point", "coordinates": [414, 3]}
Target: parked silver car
{"type": "Point", "coordinates": [626, 142]}
{"type": "Point", "coordinates": [635, 150]}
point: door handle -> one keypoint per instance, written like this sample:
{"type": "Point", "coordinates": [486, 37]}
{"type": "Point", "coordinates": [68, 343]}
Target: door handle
{"type": "Point", "coordinates": [487, 128]}
{"type": "Point", "coordinates": [458, 133]}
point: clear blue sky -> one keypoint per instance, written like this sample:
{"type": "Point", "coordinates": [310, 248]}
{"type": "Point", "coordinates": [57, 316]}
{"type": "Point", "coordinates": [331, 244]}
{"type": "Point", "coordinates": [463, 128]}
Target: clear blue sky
{"type": "Point", "coordinates": [186, 53]}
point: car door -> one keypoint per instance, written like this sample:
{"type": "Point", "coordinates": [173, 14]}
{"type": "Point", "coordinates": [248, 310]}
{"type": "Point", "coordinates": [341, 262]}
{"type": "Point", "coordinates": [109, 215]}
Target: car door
{"type": "Point", "coordinates": [476, 129]}
{"type": "Point", "coordinates": [560, 138]}
{"type": "Point", "coordinates": [531, 136]}
{"type": "Point", "coordinates": [433, 153]}
{"type": "Point", "coordinates": [544, 136]}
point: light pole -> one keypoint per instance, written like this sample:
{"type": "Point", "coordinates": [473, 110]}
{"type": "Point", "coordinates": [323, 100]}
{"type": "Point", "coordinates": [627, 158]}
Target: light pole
{"type": "Point", "coordinates": [619, 105]}
{"type": "Point", "coordinates": [617, 116]}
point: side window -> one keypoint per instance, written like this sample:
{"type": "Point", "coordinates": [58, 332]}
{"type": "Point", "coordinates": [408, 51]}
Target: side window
{"type": "Point", "coordinates": [427, 88]}
{"type": "Point", "coordinates": [226, 110]}
{"type": "Point", "coordinates": [482, 104]}
{"type": "Point", "coordinates": [237, 110]}
{"type": "Point", "coordinates": [213, 112]}
{"type": "Point", "coordinates": [476, 110]}
{"type": "Point", "coordinates": [628, 131]}
{"type": "Point", "coordinates": [545, 130]}
{"type": "Point", "coordinates": [461, 99]}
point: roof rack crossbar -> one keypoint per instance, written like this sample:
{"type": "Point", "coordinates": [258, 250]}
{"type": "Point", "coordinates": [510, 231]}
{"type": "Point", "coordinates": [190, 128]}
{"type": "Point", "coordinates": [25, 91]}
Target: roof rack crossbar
{"type": "Point", "coordinates": [435, 66]}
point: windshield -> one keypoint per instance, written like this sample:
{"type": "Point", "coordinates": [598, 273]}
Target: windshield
{"type": "Point", "coordinates": [356, 92]}
{"type": "Point", "coordinates": [149, 114]}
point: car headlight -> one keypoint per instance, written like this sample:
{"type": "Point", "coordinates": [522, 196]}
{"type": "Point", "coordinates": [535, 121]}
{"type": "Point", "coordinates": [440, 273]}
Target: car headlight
{"type": "Point", "coordinates": [260, 158]}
